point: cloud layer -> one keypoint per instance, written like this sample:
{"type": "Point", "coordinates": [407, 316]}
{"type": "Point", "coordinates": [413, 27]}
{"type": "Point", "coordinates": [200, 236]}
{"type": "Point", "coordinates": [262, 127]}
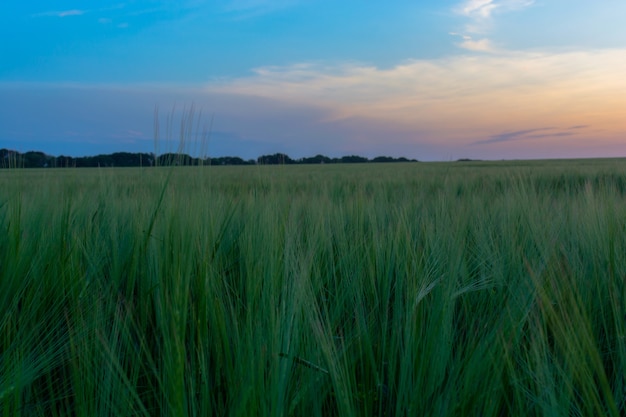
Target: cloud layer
{"type": "Point", "coordinates": [505, 105]}
{"type": "Point", "coordinates": [462, 100]}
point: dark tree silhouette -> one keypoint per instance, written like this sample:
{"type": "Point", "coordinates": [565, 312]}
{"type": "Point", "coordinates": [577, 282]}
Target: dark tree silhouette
{"type": "Point", "coordinates": [276, 159]}
{"type": "Point", "coordinates": [34, 159]}
{"type": "Point", "coordinates": [317, 159]}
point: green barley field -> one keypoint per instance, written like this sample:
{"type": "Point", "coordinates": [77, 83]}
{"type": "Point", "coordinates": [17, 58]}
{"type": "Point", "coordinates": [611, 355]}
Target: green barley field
{"type": "Point", "coordinates": [424, 289]}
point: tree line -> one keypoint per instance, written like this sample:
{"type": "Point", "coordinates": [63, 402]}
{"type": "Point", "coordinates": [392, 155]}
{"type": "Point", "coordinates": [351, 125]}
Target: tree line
{"type": "Point", "coordinates": [35, 159]}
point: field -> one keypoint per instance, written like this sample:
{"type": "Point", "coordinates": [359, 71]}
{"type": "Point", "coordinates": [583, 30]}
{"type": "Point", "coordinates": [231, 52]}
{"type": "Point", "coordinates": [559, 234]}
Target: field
{"type": "Point", "coordinates": [425, 289]}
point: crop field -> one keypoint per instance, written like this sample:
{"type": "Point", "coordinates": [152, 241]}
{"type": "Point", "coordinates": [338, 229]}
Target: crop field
{"type": "Point", "coordinates": [423, 289]}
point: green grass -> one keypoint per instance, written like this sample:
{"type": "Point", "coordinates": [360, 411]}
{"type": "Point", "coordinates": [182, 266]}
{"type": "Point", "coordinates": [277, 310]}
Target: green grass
{"type": "Point", "coordinates": [478, 288]}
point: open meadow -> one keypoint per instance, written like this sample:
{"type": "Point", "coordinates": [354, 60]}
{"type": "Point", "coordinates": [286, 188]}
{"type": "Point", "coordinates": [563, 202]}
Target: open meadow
{"type": "Point", "coordinates": [423, 289]}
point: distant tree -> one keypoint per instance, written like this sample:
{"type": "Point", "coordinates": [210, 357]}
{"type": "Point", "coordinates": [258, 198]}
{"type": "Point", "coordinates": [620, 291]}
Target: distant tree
{"type": "Point", "coordinates": [317, 159]}
{"type": "Point", "coordinates": [352, 159]}
{"type": "Point", "coordinates": [105, 160]}
{"type": "Point", "coordinates": [34, 159]}
{"type": "Point", "coordinates": [275, 159]}
{"type": "Point", "coordinates": [177, 159]}
{"type": "Point", "coordinates": [125, 159]}
{"type": "Point", "coordinates": [228, 160]}
{"type": "Point", "coordinates": [391, 159]}
{"type": "Point", "coordinates": [87, 162]}
{"type": "Point", "coordinates": [10, 159]}
{"type": "Point", "coordinates": [383, 159]}
{"type": "Point", "coordinates": [65, 162]}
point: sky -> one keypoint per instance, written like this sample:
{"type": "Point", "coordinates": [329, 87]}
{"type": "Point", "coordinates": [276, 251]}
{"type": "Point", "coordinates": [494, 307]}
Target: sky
{"type": "Point", "coordinates": [434, 80]}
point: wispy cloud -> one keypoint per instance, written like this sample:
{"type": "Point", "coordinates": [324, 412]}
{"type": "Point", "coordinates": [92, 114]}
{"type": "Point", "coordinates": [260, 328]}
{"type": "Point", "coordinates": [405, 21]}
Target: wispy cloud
{"type": "Point", "coordinates": [539, 133]}
{"type": "Point", "coordinates": [78, 12]}
{"type": "Point", "coordinates": [484, 9]}
{"type": "Point", "coordinates": [240, 5]}
{"type": "Point", "coordinates": [478, 8]}
{"type": "Point", "coordinates": [246, 9]}
{"type": "Point", "coordinates": [479, 45]}
{"type": "Point", "coordinates": [480, 15]}
{"type": "Point", "coordinates": [71, 13]}
{"type": "Point", "coordinates": [103, 20]}
{"type": "Point", "coordinates": [63, 13]}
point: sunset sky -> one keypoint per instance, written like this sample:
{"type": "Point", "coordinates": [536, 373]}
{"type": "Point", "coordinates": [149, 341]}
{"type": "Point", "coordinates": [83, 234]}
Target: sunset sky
{"type": "Point", "coordinates": [431, 80]}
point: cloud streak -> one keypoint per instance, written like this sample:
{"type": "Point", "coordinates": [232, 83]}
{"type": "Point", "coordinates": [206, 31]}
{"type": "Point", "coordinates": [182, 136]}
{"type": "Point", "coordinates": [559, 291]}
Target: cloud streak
{"type": "Point", "coordinates": [480, 14]}
{"type": "Point", "coordinates": [247, 9]}
{"type": "Point", "coordinates": [117, 7]}
{"type": "Point", "coordinates": [478, 8]}
{"type": "Point", "coordinates": [546, 132]}
{"type": "Point", "coordinates": [63, 13]}
{"type": "Point", "coordinates": [485, 9]}
{"type": "Point", "coordinates": [470, 44]}
{"type": "Point", "coordinates": [481, 45]}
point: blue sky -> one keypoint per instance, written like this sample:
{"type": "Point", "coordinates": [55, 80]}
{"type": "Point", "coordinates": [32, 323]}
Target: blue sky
{"type": "Point", "coordinates": [432, 80]}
